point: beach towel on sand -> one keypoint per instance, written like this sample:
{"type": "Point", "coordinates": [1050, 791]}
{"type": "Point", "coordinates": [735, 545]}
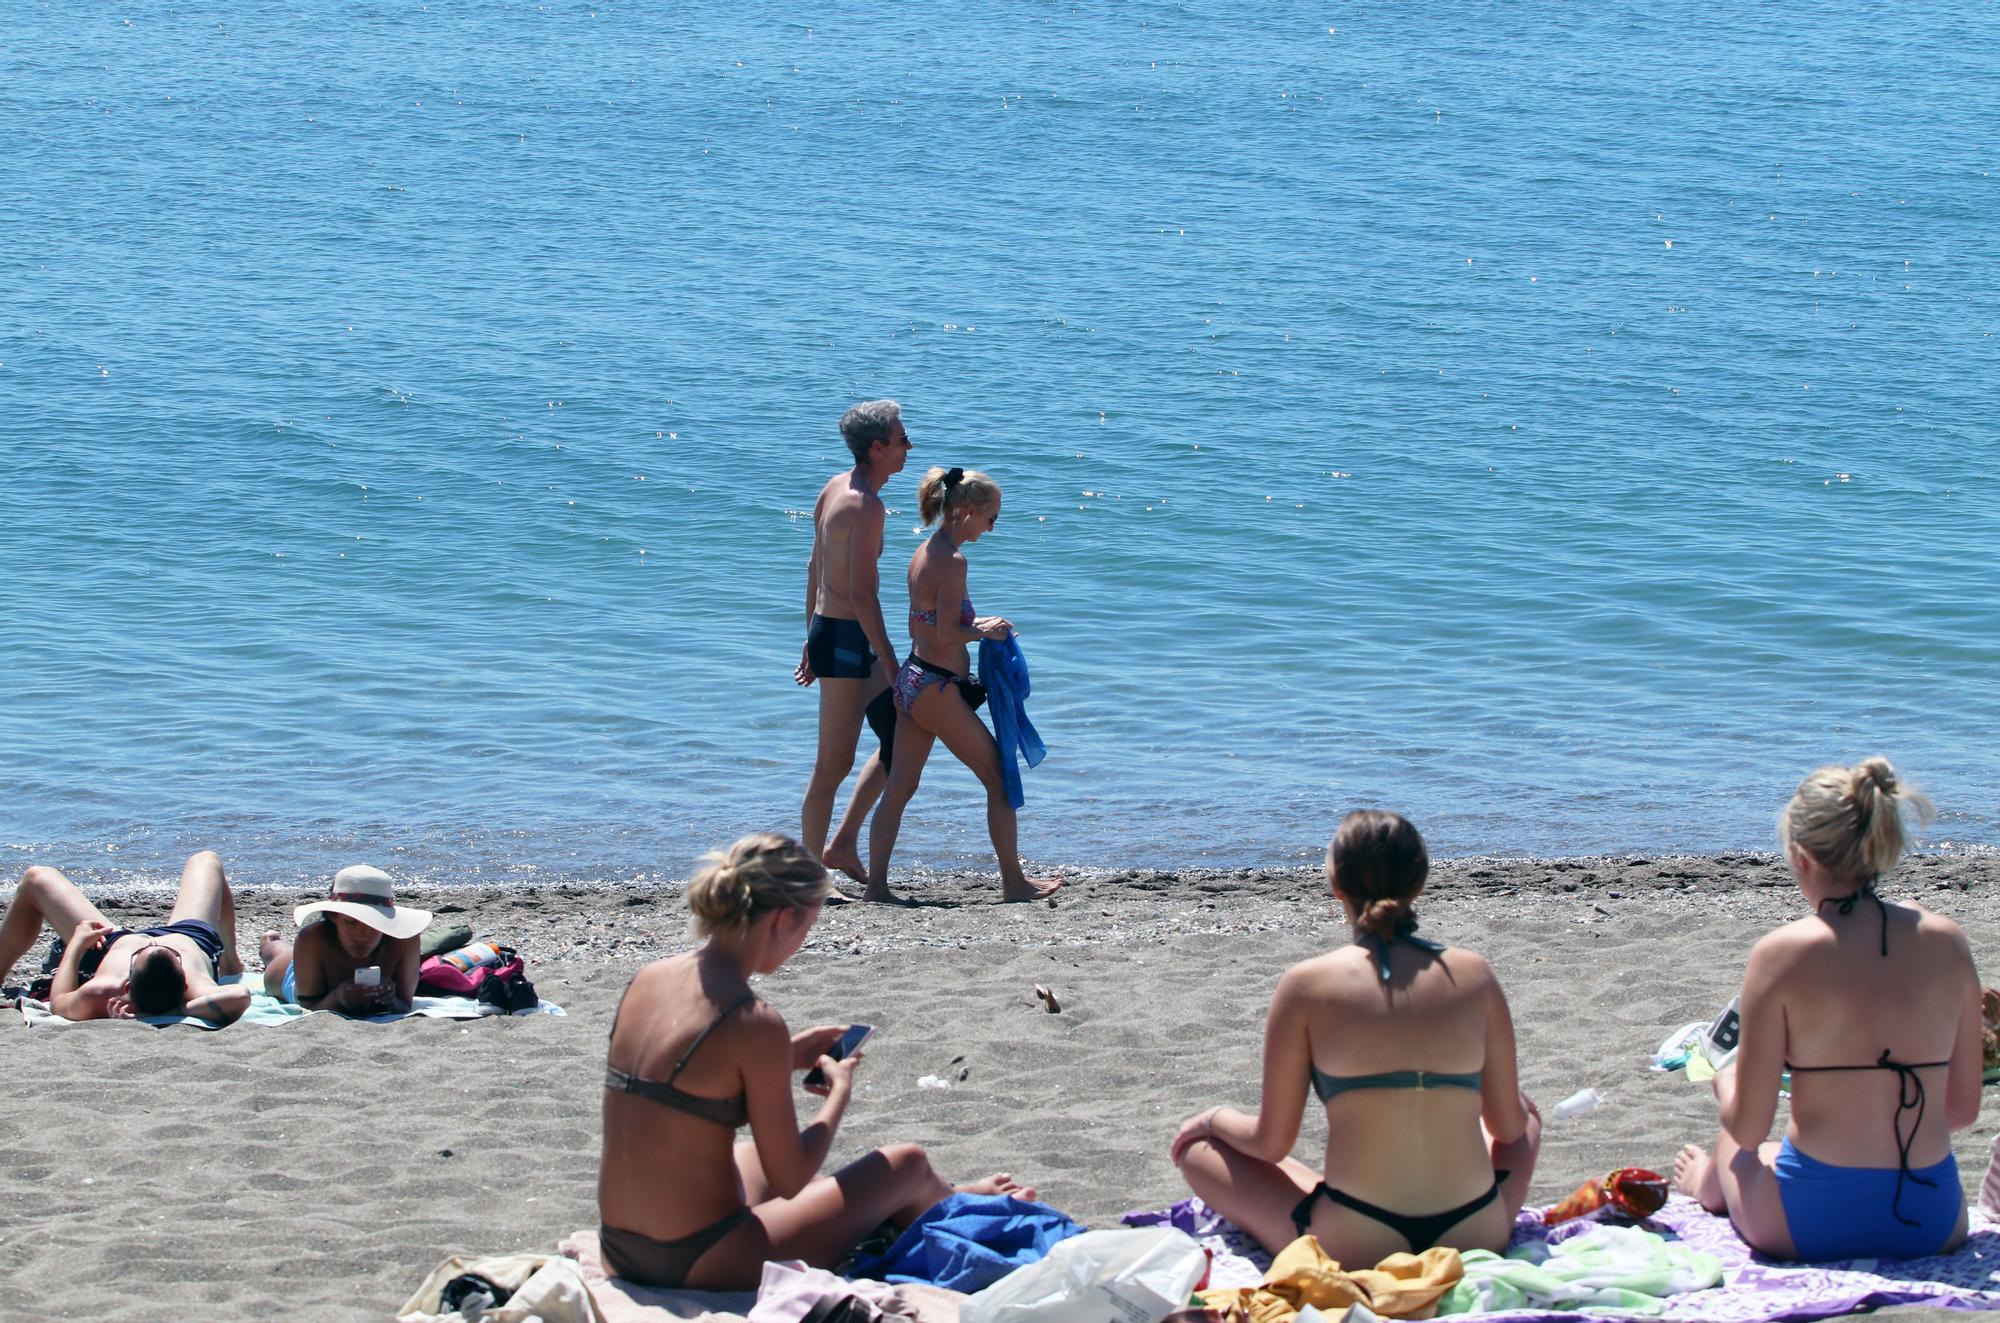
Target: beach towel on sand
{"type": "Point", "coordinates": [1752, 1289]}
{"type": "Point", "coordinates": [969, 1241]}
{"type": "Point", "coordinates": [785, 1288]}
{"type": "Point", "coordinates": [1303, 1275]}
{"type": "Point", "coordinates": [1607, 1267]}
{"type": "Point", "coordinates": [266, 1009]}
{"type": "Point", "coordinates": [541, 1288]}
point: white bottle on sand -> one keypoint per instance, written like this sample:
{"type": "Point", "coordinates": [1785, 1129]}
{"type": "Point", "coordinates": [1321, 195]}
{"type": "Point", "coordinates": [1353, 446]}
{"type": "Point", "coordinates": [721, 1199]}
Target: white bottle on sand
{"type": "Point", "coordinates": [1583, 1100]}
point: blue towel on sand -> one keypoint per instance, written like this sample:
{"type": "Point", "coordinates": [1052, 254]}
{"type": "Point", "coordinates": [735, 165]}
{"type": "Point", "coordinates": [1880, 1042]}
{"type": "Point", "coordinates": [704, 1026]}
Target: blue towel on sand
{"type": "Point", "coordinates": [967, 1242]}
{"type": "Point", "coordinates": [1004, 672]}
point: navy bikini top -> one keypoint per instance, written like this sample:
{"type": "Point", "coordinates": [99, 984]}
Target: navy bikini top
{"type": "Point", "coordinates": [1910, 1085]}
{"type": "Point", "coordinates": [1326, 1086]}
{"type": "Point", "coordinates": [731, 1112]}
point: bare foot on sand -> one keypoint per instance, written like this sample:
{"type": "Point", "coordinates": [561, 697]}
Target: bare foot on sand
{"type": "Point", "coordinates": [1032, 889]}
{"type": "Point", "coordinates": [884, 896]}
{"type": "Point", "coordinates": [843, 856]}
{"type": "Point", "coordinates": [1000, 1182]}
{"type": "Point", "coordinates": [1695, 1177]}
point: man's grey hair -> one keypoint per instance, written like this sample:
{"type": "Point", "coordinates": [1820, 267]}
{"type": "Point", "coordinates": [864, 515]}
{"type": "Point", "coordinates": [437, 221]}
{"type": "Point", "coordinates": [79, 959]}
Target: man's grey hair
{"type": "Point", "coordinates": [869, 422]}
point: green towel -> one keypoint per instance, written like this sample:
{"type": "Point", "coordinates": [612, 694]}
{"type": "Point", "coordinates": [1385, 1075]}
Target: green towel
{"type": "Point", "coordinates": [1607, 1267]}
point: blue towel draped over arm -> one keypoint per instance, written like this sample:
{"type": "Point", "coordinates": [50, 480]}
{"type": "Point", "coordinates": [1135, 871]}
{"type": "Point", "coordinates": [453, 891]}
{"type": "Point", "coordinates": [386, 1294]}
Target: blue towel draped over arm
{"type": "Point", "coordinates": [1004, 672]}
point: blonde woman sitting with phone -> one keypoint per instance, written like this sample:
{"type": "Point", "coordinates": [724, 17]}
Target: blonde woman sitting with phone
{"type": "Point", "coordinates": [696, 1056]}
{"type": "Point", "coordinates": [357, 950]}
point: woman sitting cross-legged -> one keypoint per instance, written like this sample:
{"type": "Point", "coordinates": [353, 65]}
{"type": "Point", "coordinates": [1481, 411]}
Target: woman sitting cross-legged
{"type": "Point", "coordinates": [1409, 1046]}
{"type": "Point", "coordinates": [695, 1056]}
{"type": "Point", "coordinates": [1874, 1009]}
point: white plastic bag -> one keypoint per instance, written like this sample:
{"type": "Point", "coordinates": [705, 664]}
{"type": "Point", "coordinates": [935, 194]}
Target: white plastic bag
{"type": "Point", "coordinates": [1135, 1276]}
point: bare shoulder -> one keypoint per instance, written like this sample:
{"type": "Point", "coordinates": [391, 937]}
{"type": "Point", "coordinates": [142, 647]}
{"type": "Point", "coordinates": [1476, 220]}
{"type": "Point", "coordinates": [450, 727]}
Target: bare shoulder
{"type": "Point", "coordinates": [760, 1029]}
{"type": "Point", "coordinates": [1790, 942]}
{"type": "Point", "coordinates": [654, 979]}
{"type": "Point", "coordinates": [1466, 963]}
{"type": "Point", "coordinates": [1932, 925]}
{"type": "Point", "coordinates": [1471, 972]}
{"type": "Point", "coordinates": [826, 494]}
{"type": "Point", "coordinates": [872, 514]}
{"type": "Point", "coordinates": [1310, 977]}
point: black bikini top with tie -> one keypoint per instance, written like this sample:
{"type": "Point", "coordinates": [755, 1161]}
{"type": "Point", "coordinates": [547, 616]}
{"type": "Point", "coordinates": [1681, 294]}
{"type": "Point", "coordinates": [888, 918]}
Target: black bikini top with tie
{"type": "Point", "coordinates": [1910, 1094]}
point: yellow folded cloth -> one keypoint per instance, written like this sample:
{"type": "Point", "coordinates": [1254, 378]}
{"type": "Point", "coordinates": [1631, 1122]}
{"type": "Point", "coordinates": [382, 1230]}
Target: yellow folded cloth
{"type": "Point", "coordinates": [1401, 1286]}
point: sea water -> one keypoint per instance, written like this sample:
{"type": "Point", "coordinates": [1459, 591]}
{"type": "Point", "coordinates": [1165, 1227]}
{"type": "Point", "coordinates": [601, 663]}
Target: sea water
{"type": "Point", "coordinates": [1566, 425]}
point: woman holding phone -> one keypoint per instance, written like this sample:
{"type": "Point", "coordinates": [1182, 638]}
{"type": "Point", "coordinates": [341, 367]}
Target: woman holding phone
{"type": "Point", "coordinates": [356, 951]}
{"type": "Point", "coordinates": [695, 1056]}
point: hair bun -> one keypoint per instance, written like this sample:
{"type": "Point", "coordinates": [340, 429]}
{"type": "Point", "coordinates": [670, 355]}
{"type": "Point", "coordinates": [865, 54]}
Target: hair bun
{"type": "Point", "coordinates": [952, 477]}
{"type": "Point", "coordinates": [1878, 771]}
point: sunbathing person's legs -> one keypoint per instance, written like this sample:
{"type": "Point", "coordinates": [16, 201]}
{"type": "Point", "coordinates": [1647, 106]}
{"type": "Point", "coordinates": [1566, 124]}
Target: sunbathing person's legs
{"type": "Point", "coordinates": [1741, 1182]}
{"type": "Point", "coordinates": [1254, 1194]}
{"type": "Point", "coordinates": [43, 896]}
{"type": "Point", "coordinates": [204, 895]}
{"type": "Point", "coordinates": [825, 1221]}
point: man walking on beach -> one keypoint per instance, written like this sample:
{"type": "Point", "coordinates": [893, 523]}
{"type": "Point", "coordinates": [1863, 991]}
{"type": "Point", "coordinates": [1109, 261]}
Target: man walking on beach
{"type": "Point", "coordinates": [847, 647]}
{"type": "Point", "coordinates": [108, 972]}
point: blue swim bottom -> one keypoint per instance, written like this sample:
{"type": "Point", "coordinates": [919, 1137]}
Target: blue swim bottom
{"type": "Point", "coordinates": [289, 991]}
{"type": "Point", "coordinates": [1850, 1212]}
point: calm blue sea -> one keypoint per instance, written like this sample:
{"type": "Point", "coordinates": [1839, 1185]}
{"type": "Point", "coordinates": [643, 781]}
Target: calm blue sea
{"type": "Point", "coordinates": [1566, 424]}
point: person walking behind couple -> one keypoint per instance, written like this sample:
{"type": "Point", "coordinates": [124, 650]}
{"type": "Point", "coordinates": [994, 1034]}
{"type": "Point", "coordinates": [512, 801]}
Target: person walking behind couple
{"type": "Point", "coordinates": [112, 973]}
{"type": "Point", "coordinates": [847, 649]}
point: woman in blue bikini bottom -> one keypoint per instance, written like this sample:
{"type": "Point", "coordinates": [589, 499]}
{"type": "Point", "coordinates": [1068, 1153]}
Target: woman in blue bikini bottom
{"type": "Point", "coordinates": [1882, 1008]}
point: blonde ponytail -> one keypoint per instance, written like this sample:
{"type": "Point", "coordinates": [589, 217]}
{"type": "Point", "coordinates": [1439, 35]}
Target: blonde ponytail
{"type": "Point", "coordinates": [1849, 819]}
{"type": "Point", "coordinates": [943, 491]}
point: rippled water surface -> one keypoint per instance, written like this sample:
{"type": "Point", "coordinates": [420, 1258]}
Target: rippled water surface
{"type": "Point", "coordinates": [1566, 426]}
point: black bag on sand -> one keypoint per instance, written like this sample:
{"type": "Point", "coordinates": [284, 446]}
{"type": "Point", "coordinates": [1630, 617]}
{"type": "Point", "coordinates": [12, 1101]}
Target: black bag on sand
{"type": "Point", "coordinates": [508, 988]}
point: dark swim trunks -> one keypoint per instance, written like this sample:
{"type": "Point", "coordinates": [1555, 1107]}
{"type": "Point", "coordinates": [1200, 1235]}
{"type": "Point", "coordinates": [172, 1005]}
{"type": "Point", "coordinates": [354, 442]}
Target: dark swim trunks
{"type": "Point", "coordinates": [201, 932]}
{"type": "Point", "coordinates": [838, 649]}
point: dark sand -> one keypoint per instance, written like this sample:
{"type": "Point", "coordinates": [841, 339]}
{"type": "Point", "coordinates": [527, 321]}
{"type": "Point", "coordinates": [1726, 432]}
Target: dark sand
{"type": "Point", "coordinates": [320, 1169]}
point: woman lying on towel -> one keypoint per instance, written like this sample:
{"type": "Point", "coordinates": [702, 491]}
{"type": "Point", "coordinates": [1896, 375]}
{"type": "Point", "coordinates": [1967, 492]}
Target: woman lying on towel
{"type": "Point", "coordinates": [1408, 1044]}
{"type": "Point", "coordinates": [357, 950]}
{"type": "Point", "coordinates": [1874, 1009]}
{"type": "Point", "coordinates": [699, 1057]}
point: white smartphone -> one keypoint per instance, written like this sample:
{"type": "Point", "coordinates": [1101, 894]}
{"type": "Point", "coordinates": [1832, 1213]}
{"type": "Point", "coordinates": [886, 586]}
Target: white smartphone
{"type": "Point", "coordinates": [856, 1035]}
{"type": "Point", "coordinates": [368, 976]}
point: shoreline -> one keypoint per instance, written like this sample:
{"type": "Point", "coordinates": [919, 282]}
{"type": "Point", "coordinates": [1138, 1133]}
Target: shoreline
{"type": "Point", "coordinates": [619, 918]}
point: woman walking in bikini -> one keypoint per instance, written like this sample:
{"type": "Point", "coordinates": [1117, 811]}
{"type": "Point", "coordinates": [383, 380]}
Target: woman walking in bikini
{"type": "Point", "coordinates": [933, 689]}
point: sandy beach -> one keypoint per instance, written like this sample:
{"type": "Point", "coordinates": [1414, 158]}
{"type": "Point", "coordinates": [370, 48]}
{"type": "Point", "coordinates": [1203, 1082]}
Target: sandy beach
{"type": "Point", "coordinates": [320, 1169]}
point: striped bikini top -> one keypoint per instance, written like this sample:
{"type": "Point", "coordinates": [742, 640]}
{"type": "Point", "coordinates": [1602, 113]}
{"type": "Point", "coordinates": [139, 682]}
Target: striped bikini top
{"type": "Point", "coordinates": [965, 615]}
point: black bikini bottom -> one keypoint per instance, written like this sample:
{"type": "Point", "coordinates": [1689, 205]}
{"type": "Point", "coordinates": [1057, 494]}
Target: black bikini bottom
{"type": "Point", "coordinates": [1422, 1231]}
{"type": "Point", "coordinates": [667, 1263]}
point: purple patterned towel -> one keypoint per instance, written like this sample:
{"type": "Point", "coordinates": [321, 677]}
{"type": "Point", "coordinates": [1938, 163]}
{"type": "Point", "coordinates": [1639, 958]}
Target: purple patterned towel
{"type": "Point", "coordinates": [1753, 1290]}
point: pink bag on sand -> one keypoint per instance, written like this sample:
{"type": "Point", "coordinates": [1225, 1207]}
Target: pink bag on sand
{"type": "Point", "coordinates": [442, 977]}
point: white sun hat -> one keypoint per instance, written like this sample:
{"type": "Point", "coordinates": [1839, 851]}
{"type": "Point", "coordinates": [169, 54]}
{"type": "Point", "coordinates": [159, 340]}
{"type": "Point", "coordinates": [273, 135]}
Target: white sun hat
{"type": "Point", "coordinates": [367, 895]}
